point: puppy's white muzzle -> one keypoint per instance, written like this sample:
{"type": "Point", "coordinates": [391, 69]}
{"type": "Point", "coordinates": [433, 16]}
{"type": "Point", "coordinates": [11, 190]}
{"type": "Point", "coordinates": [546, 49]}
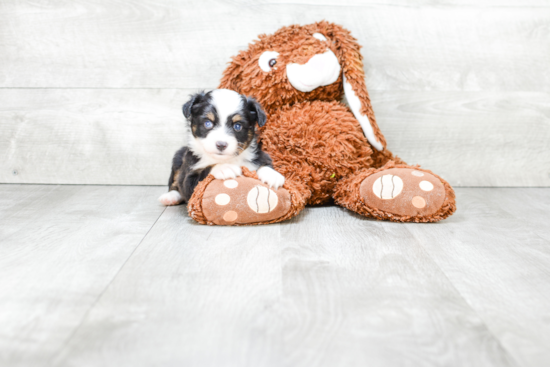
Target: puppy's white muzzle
{"type": "Point", "coordinates": [322, 69]}
{"type": "Point", "coordinates": [219, 135]}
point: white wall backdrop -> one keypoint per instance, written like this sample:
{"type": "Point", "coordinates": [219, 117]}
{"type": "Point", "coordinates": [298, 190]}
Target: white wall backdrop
{"type": "Point", "coordinates": [91, 90]}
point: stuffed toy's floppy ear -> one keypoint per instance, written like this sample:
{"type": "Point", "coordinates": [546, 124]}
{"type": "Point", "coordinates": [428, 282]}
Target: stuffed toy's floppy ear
{"type": "Point", "coordinates": [355, 88]}
{"type": "Point", "coordinates": [256, 111]}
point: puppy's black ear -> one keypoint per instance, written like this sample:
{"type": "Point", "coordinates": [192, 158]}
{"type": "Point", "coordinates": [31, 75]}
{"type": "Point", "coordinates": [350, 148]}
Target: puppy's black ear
{"type": "Point", "coordinates": [195, 98]}
{"type": "Point", "coordinates": [256, 110]}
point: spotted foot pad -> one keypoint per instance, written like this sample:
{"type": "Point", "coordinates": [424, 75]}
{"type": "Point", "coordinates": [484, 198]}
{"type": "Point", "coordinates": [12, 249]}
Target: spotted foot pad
{"type": "Point", "coordinates": [403, 191]}
{"type": "Point", "coordinates": [243, 200]}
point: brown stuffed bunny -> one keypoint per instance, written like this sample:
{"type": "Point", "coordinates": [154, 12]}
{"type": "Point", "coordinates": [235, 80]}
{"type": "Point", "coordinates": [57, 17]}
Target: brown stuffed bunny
{"type": "Point", "coordinates": [324, 148]}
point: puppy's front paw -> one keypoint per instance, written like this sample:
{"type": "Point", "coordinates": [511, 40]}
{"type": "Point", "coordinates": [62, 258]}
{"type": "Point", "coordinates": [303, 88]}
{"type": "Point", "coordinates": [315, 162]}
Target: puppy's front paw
{"type": "Point", "coordinates": [271, 177]}
{"type": "Point", "coordinates": [225, 171]}
{"type": "Point", "coordinates": [171, 198]}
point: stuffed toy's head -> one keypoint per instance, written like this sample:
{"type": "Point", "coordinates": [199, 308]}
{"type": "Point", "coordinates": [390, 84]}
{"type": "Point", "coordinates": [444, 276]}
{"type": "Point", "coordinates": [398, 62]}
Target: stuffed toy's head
{"type": "Point", "coordinates": [319, 61]}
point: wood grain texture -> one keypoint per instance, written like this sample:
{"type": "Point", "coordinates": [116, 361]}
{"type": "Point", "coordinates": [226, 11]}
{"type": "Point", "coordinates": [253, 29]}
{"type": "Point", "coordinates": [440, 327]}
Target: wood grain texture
{"type": "Point", "coordinates": [325, 289]}
{"type": "Point", "coordinates": [328, 288]}
{"type": "Point", "coordinates": [471, 138]}
{"type": "Point", "coordinates": [487, 45]}
{"type": "Point", "coordinates": [365, 293]}
{"type": "Point", "coordinates": [460, 87]}
{"type": "Point", "coordinates": [415, 4]}
{"type": "Point", "coordinates": [105, 136]}
{"type": "Point", "coordinates": [60, 246]}
{"type": "Point", "coordinates": [90, 136]}
{"type": "Point", "coordinates": [192, 295]}
{"type": "Point", "coordinates": [496, 251]}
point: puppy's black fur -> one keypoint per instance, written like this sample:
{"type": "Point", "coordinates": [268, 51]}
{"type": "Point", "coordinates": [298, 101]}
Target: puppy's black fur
{"type": "Point", "coordinates": [184, 178]}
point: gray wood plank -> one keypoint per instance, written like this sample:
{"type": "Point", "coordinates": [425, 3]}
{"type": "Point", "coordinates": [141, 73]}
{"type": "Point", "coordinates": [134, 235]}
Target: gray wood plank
{"type": "Point", "coordinates": [191, 295]}
{"type": "Point", "coordinates": [60, 246]}
{"type": "Point", "coordinates": [471, 138]}
{"type": "Point", "coordinates": [496, 251]}
{"type": "Point", "coordinates": [486, 45]}
{"type": "Point", "coordinates": [326, 289]}
{"type": "Point", "coordinates": [92, 136]}
{"type": "Point", "coordinates": [104, 136]}
{"type": "Point", "coordinates": [417, 3]}
{"type": "Point", "coordinates": [365, 293]}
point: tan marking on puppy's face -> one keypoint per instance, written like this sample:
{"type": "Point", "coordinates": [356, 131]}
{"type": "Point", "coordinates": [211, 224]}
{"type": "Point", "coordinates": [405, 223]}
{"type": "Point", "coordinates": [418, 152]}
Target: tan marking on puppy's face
{"type": "Point", "coordinates": [237, 118]}
{"type": "Point", "coordinates": [245, 145]}
{"type": "Point", "coordinates": [210, 116]}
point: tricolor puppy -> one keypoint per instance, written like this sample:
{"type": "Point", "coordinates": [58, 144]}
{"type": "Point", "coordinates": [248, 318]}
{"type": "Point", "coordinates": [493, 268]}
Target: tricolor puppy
{"type": "Point", "coordinates": [221, 139]}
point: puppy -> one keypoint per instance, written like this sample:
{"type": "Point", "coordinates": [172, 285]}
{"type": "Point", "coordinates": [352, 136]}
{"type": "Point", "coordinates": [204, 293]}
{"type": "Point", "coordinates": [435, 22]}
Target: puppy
{"type": "Point", "coordinates": [222, 137]}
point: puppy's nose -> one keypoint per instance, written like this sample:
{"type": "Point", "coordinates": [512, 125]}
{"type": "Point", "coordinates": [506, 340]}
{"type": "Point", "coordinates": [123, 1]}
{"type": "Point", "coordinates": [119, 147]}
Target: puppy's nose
{"type": "Point", "coordinates": [221, 145]}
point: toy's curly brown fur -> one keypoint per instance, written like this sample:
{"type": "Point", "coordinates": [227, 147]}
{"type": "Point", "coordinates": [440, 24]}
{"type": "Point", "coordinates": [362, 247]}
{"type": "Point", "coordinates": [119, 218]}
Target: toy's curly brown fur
{"type": "Point", "coordinates": [321, 144]}
{"type": "Point", "coordinates": [314, 140]}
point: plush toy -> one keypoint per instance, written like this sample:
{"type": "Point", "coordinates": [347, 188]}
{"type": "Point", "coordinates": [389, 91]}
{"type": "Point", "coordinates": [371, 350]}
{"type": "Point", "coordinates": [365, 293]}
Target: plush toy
{"type": "Point", "coordinates": [325, 149]}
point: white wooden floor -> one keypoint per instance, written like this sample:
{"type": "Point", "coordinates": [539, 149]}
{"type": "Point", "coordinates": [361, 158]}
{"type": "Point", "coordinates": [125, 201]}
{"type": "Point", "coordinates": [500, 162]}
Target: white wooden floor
{"type": "Point", "coordinates": [105, 276]}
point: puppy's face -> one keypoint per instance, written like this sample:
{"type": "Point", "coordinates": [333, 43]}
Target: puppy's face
{"type": "Point", "coordinates": [222, 123]}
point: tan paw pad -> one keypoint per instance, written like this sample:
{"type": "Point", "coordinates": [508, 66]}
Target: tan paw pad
{"type": "Point", "coordinates": [222, 199]}
{"type": "Point", "coordinates": [230, 216]}
{"type": "Point", "coordinates": [230, 184]}
{"type": "Point", "coordinates": [387, 187]}
{"type": "Point", "coordinates": [426, 186]}
{"type": "Point", "coordinates": [243, 200]}
{"type": "Point", "coordinates": [403, 191]}
{"type": "Point", "coordinates": [262, 200]}
{"type": "Point", "coordinates": [418, 202]}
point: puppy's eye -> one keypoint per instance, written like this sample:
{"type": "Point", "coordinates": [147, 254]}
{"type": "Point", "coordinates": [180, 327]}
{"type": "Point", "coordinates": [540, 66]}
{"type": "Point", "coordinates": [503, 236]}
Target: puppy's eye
{"type": "Point", "coordinates": [268, 60]}
{"type": "Point", "coordinates": [208, 124]}
{"type": "Point", "coordinates": [238, 127]}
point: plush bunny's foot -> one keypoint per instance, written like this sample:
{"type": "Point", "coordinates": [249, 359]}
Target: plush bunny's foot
{"type": "Point", "coordinates": [243, 200]}
{"type": "Point", "coordinates": [399, 193]}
